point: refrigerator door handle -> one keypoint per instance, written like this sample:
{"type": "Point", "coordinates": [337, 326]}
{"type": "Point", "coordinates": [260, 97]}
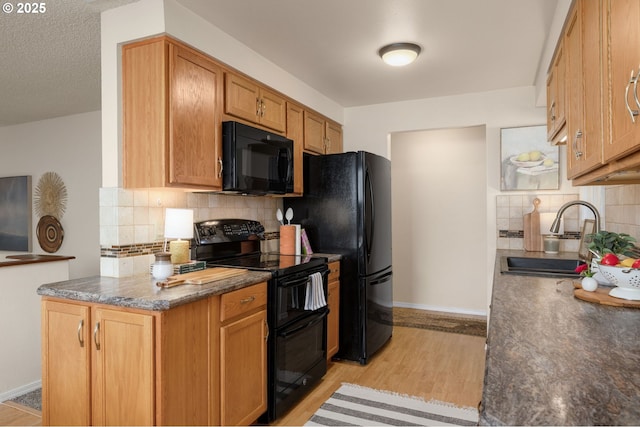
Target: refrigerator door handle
{"type": "Point", "coordinates": [370, 225]}
{"type": "Point", "coordinates": [382, 279]}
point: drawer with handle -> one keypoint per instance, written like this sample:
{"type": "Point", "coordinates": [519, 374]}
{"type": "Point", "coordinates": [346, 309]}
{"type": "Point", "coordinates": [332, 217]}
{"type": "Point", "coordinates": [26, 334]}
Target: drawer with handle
{"type": "Point", "coordinates": [242, 300]}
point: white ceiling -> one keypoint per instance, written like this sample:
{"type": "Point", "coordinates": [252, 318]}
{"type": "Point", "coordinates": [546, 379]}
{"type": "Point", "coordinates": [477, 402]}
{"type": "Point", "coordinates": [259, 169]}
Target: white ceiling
{"type": "Point", "coordinates": [51, 62]}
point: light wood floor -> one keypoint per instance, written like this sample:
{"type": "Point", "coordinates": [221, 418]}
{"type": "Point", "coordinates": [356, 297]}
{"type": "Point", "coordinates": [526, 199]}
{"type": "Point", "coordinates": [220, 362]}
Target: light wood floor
{"type": "Point", "coordinates": [418, 362]}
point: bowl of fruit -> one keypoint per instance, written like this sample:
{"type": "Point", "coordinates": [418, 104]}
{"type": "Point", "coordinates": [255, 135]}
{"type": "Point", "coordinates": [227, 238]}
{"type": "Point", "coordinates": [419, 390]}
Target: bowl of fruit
{"type": "Point", "coordinates": [623, 273]}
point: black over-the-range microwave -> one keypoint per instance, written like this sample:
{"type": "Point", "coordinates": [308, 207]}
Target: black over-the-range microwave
{"type": "Point", "coordinates": [255, 161]}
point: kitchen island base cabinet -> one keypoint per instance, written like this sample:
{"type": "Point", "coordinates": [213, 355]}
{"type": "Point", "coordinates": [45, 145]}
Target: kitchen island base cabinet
{"type": "Point", "coordinates": [105, 365]}
{"type": "Point", "coordinates": [199, 363]}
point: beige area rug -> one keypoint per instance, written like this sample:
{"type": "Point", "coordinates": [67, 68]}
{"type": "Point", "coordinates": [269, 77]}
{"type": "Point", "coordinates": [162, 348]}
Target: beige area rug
{"type": "Point", "coordinates": [438, 321]}
{"type": "Point", "coordinates": [355, 405]}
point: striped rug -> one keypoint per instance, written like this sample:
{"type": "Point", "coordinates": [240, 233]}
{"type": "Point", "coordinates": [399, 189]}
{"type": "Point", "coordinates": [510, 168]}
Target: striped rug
{"type": "Point", "coordinates": [354, 405]}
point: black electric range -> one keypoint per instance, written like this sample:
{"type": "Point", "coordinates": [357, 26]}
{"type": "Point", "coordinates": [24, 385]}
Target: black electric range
{"type": "Point", "coordinates": [297, 347]}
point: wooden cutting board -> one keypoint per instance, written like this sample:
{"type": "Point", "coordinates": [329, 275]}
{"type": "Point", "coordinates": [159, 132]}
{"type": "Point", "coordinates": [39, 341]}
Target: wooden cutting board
{"type": "Point", "coordinates": [207, 275]}
{"type": "Point", "coordinates": [532, 237]}
{"type": "Point", "coordinates": [601, 296]}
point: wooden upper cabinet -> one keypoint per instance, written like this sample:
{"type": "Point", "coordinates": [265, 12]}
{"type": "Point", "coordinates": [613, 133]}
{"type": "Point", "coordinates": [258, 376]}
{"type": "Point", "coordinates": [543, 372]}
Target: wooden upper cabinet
{"type": "Point", "coordinates": [314, 133]}
{"type": "Point", "coordinates": [321, 136]}
{"type": "Point", "coordinates": [250, 101]}
{"type": "Point", "coordinates": [333, 135]}
{"type": "Point", "coordinates": [295, 132]}
{"type": "Point", "coordinates": [172, 106]}
{"type": "Point", "coordinates": [556, 96]}
{"type": "Point", "coordinates": [623, 41]}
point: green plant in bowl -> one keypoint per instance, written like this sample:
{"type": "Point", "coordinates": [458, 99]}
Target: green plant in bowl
{"type": "Point", "coordinates": [604, 242]}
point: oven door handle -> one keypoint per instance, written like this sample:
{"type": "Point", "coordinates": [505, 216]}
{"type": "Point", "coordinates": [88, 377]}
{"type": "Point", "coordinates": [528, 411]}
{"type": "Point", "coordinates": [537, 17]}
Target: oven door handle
{"type": "Point", "coordinates": [316, 319]}
{"type": "Point", "coordinates": [301, 280]}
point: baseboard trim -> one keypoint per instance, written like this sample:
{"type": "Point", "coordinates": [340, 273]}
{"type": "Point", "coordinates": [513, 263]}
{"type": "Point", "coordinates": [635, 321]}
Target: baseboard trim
{"type": "Point", "coordinates": [441, 309]}
{"type": "Point", "coordinates": [11, 394]}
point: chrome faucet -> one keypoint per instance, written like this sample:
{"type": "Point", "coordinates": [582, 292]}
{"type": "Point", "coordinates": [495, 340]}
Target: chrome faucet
{"type": "Point", "coordinates": [555, 226]}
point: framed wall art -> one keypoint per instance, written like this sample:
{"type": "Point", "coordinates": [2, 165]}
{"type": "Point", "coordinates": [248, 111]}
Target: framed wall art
{"type": "Point", "coordinates": [529, 161]}
{"type": "Point", "coordinates": [15, 211]}
{"type": "Point", "coordinates": [588, 228]}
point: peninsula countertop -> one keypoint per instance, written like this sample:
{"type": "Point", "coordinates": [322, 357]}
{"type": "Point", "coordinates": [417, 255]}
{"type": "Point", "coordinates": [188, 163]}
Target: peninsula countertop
{"type": "Point", "coordinates": [141, 291]}
{"type": "Point", "coordinates": [553, 359]}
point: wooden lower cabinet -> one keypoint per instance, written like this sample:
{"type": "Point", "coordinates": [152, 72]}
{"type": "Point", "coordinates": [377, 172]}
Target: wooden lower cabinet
{"type": "Point", "coordinates": [333, 301]}
{"type": "Point", "coordinates": [243, 355]}
{"type": "Point", "coordinates": [108, 365]}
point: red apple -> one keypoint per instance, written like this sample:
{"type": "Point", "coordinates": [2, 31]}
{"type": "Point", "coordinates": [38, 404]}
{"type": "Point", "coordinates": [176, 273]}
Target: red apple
{"type": "Point", "coordinates": [609, 259]}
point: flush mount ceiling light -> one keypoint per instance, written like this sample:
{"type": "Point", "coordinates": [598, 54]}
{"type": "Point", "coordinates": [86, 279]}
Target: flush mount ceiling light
{"type": "Point", "coordinates": [399, 54]}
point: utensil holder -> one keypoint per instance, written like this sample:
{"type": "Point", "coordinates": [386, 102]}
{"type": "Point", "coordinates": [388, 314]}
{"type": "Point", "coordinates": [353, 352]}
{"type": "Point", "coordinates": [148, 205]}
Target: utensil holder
{"type": "Point", "coordinates": [288, 239]}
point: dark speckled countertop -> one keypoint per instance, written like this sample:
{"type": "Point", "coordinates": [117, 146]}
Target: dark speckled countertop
{"type": "Point", "coordinates": [141, 291]}
{"type": "Point", "coordinates": [553, 359]}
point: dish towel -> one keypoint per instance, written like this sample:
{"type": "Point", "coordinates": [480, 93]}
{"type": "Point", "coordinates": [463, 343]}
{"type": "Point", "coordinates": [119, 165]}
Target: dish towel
{"type": "Point", "coordinates": [314, 293]}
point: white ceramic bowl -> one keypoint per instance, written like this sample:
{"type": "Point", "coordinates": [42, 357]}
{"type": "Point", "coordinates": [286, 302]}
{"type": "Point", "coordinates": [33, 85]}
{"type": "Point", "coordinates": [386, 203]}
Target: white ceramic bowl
{"type": "Point", "coordinates": [626, 280]}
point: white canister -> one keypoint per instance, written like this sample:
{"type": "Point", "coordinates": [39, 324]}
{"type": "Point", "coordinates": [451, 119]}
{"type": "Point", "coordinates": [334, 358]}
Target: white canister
{"type": "Point", "coordinates": [162, 267]}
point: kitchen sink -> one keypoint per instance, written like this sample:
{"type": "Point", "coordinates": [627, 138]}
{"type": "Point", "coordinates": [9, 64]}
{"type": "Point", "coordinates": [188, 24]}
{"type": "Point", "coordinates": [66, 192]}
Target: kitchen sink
{"type": "Point", "coordinates": [545, 267]}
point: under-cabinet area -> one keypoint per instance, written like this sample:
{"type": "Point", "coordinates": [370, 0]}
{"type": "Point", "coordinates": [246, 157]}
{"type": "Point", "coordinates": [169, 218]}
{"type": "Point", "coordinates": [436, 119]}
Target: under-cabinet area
{"type": "Point", "coordinates": [174, 100]}
{"type": "Point", "coordinates": [187, 365]}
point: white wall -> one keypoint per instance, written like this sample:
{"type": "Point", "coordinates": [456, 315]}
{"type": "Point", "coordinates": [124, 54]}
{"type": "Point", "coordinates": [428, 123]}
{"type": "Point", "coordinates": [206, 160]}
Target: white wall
{"type": "Point", "coordinates": [439, 177]}
{"type": "Point", "coordinates": [369, 128]}
{"type": "Point", "coordinates": [70, 147]}
{"type": "Point", "coordinates": [20, 358]}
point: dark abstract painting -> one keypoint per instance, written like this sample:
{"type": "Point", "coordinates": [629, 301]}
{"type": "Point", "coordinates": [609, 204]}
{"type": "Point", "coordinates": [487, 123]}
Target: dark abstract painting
{"type": "Point", "coordinates": [15, 213]}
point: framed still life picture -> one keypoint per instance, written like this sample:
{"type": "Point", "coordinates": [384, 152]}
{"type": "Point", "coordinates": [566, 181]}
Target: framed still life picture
{"type": "Point", "coordinates": [529, 161]}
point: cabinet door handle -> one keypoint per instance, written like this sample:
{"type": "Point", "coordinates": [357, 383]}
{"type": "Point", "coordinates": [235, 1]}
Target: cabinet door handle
{"type": "Point", "coordinates": [221, 167]}
{"type": "Point", "coordinates": [635, 90]}
{"type": "Point", "coordinates": [577, 152]}
{"type": "Point", "coordinates": [248, 300]}
{"type": "Point", "coordinates": [634, 81]}
{"type": "Point", "coordinates": [266, 327]}
{"type": "Point", "coordinates": [96, 332]}
{"type": "Point", "coordinates": [80, 326]}
{"type": "Point", "coordinates": [258, 104]}
{"type": "Point", "coordinates": [264, 108]}
{"type": "Point", "coordinates": [552, 111]}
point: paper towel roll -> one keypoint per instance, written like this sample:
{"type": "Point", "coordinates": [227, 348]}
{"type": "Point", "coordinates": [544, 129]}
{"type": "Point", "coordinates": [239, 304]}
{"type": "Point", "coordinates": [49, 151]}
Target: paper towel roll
{"type": "Point", "coordinates": [288, 239]}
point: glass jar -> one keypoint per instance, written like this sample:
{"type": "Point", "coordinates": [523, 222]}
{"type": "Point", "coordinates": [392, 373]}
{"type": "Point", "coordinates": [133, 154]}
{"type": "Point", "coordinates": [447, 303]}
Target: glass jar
{"type": "Point", "coordinates": [551, 244]}
{"type": "Point", "coordinates": [162, 267]}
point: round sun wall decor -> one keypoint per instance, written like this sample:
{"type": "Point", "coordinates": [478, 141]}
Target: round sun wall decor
{"type": "Point", "coordinates": [50, 196]}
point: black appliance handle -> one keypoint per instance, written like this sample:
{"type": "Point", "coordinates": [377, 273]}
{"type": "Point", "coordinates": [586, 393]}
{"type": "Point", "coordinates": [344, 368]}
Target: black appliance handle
{"type": "Point", "coordinates": [382, 279]}
{"type": "Point", "coordinates": [369, 223]}
{"type": "Point", "coordinates": [301, 278]}
{"type": "Point", "coordinates": [317, 318]}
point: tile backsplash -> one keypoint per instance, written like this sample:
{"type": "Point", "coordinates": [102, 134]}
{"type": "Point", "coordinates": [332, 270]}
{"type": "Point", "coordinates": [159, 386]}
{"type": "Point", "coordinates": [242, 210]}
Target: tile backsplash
{"type": "Point", "coordinates": [622, 209]}
{"type": "Point", "coordinates": [510, 211]}
{"type": "Point", "coordinates": [132, 222]}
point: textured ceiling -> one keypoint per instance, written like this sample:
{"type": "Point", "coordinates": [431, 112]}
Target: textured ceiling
{"type": "Point", "coordinates": [51, 61]}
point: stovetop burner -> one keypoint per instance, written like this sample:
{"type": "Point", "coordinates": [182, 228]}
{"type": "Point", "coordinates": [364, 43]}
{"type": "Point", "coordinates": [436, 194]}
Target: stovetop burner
{"type": "Point", "coordinates": [236, 243]}
{"type": "Point", "coordinates": [277, 264]}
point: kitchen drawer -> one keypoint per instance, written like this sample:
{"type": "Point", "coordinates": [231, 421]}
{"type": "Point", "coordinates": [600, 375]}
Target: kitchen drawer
{"type": "Point", "coordinates": [334, 270]}
{"type": "Point", "coordinates": [242, 301]}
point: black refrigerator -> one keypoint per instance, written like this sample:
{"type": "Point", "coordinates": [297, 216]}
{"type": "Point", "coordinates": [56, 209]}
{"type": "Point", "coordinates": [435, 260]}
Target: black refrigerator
{"type": "Point", "coordinates": [346, 209]}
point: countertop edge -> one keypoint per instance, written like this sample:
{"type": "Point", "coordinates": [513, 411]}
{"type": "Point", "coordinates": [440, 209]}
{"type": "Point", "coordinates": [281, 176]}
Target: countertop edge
{"type": "Point", "coordinates": [33, 259]}
{"type": "Point", "coordinates": [140, 292]}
